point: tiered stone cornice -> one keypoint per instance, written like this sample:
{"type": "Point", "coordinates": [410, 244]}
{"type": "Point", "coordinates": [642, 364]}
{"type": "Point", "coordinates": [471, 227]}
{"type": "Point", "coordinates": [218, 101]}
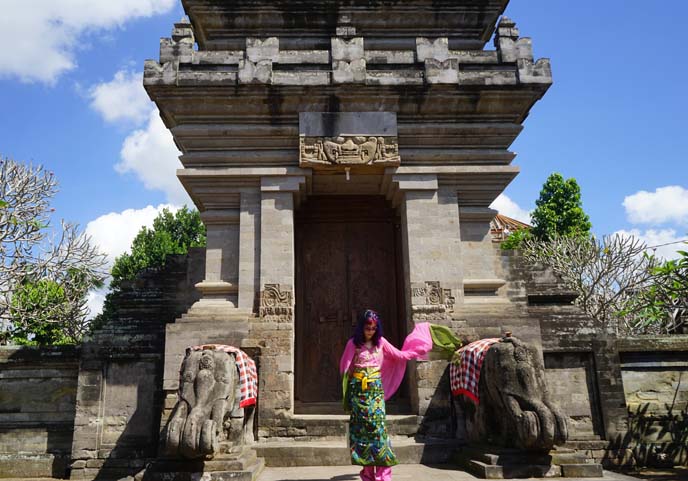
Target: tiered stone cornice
{"type": "Point", "coordinates": [348, 61]}
{"type": "Point", "coordinates": [310, 23]}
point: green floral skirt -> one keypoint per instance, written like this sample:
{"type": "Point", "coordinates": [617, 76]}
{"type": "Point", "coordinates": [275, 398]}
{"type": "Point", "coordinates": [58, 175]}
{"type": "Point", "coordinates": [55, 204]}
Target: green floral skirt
{"type": "Point", "coordinates": [368, 440]}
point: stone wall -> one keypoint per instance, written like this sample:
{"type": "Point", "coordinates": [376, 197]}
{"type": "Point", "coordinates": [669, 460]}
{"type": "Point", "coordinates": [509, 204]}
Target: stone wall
{"type": "Point", "coordinates": [37, 406]}
{"type": "Point", "coordinates": [119, 393]}
{"type": "Point", "coordinates": [655, 381]}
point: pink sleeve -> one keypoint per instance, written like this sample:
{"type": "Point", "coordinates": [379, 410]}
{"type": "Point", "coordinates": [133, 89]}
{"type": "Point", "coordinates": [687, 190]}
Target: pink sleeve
{"type": "Point", "coordinates": [347, 357]}
{"type": "Point", "coordinates": [416, 346]}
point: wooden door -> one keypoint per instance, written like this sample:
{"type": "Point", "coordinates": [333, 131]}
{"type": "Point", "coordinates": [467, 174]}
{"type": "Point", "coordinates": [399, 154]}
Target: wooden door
{"type": "Point", "coordinates": [346, 262]}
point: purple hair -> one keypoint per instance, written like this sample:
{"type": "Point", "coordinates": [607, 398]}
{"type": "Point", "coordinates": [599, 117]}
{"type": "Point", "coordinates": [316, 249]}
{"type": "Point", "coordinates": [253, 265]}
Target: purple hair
{"type": "Point", "coordinates": [363, 318]}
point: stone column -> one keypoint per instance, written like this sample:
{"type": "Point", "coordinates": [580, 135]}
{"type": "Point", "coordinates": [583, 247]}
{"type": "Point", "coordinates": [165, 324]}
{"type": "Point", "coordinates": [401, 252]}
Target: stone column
{"type": "Point", "coordinates": [220, 286]}
{"type": "Point", "coordinates": [432, 246]}
{"type": "Point", "coordinates": [433, 275]}
{"type": "Point", "coordinates": [249, 248]}
{"type": "Point", "coordinates": [275, 327]}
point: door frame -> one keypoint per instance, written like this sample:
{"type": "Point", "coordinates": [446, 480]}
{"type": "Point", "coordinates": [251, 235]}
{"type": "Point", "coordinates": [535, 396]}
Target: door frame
{"type": "Point", "coordinates": [330, 209]}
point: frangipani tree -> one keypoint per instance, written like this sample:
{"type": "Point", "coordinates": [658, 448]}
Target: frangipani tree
{"type": "Point", "coordinates": [45, 273]}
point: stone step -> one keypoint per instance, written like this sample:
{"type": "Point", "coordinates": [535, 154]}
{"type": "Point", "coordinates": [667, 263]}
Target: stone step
{"type": "Point", "coordinates": [292, 454]}
{"type": "Point", "coordinates": [249, 472]}
{"type": "Point", "coordinates": [582, 444]}
{"type": "Point", "coordinates": [583, 470]}
{"type": "Point", "coordinates": [489, 471]}
{"type": "Point", "coordinates": [311, 427]}
{"type": "Point", "coordinates": [221, 462]}
{"type": "Point", "coordinates": [521, 458]}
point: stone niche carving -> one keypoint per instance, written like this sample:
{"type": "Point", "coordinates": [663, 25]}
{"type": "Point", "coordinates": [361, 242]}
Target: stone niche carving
{"type": "Point", "coordinates": [515, 409]}
{"type": "Point", "coordinates": [207, 411]}
{"type": "Point", "coordinates": [349, 150]}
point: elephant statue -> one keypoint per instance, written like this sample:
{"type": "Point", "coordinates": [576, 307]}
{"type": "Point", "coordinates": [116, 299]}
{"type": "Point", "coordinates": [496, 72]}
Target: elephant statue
{"type": "Point", "coordinates": [207, 395]}
{"type": "Point", "coordinates": [515, 410]}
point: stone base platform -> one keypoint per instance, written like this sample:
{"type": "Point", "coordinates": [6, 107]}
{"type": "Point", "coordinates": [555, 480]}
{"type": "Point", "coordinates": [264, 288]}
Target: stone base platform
{"type": "Point", "coordinates": [336, 452]}
{"type": "Point", "coordinates": [242, 465]}
{"type": "Point", "coordinates": [32, 465]}
{"type": "Point", "coordinates": [403, 472]}
{"type": "Point", "coordinates": [496, 463]}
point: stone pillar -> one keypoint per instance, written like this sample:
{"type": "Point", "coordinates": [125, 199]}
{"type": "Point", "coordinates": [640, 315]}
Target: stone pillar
{"type": "Point", "coordinates": [433, 276]}
{"type": "Point", "coordinates": [431, 245]}
{"type": "Point", "coordinates": [275, 327]}
{"type": "Point", "coordinates": [277, 230]}
{"type": "Point", "coordinates": [249, 248]}
{"type": "Point", "coordinates": [220, 285]}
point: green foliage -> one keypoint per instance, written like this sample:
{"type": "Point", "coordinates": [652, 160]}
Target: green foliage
{"type": "Point", "coordinates": [34, 307]}
{"type": "Point", "coordinates": [662, 308]}
{"type": "Point", "coordinates": [559, 211]}
{"type": "Point", "coordinates": [516, 239]}
{"type": "Point", "coordinates": [171, 234]}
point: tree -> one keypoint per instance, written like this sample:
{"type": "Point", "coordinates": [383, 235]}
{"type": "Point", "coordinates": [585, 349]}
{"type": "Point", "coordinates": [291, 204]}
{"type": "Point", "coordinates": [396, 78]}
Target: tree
{"type": "Point", "coordinates": [516, 239]}
{"type": "Point", "coordinates": [559, 210]}
{"type": "Point", "coordinates": [662, 308]}
{"type": "Point", "coordinates": [44, 279]}
{"type": "Point", "coordinates": [608, 275]}
{"type": "Point", "coordinates": [171, 234]}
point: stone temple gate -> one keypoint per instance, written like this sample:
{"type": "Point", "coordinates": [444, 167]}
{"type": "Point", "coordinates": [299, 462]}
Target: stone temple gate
{"type": "Point", "coordinates": [343, 155]}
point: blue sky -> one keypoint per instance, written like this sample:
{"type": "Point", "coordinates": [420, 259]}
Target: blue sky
{"type": "Point", "coordinates": [614, 118]}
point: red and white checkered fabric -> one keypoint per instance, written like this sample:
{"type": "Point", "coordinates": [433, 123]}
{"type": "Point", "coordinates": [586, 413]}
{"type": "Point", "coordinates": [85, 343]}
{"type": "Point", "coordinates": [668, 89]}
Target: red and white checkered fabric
{"type": "Point", "coordinates": [248, 375]}
{"type": "Point", "coordinates": [464, 371]}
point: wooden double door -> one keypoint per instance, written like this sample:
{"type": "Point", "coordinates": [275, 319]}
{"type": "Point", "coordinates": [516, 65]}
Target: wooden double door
{"type": "Point", "coordinates": [347, 260]}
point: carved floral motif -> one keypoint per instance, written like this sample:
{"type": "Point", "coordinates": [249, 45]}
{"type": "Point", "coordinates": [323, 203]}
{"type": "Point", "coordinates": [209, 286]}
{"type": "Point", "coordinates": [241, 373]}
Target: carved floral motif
{"type": "Point", "coordinates": [349, 150]}
{"type": "Point", "coordinates": [275, 302]}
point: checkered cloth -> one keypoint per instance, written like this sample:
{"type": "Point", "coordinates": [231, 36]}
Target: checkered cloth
{"type": "Point", "coordinates": [464, 370]}
{"type": "Point", "coordinates": [248, 375]}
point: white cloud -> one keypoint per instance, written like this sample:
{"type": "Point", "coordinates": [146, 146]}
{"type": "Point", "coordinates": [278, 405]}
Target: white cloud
{"type": "Point", "coordinates": [122, 99]}
{"type": "Point", "coordinates": [665, 204]}
{"type": "Point", "coordinates": [95, 301]}
{"type": "Point", "coordinates": [114, 232]}
{"type": "Point", "coordinates": [45, 34]}
{"type": "Point", "coordinates": [150, 153]}
{"type": "Point", "coordinates": [505, 206]}
{"type": "Point", "coordinates": [659, 238]}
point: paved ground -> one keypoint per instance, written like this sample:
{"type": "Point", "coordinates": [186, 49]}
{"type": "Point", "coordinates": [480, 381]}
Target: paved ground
{"type": "Point", "coordinates": [403, 472]}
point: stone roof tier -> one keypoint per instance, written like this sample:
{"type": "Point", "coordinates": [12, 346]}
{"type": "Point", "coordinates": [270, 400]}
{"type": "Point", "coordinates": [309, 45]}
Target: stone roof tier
{"type": "Point", "coordinates": [222, 25]}
{"type": "Point", "coordinates": [235, 113]}
{"type": "Point", "coordinates": [348, 59]}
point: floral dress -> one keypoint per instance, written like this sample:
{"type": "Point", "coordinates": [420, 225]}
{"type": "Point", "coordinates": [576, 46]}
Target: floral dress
{"type": "Point", "coordinates": [368, 439]}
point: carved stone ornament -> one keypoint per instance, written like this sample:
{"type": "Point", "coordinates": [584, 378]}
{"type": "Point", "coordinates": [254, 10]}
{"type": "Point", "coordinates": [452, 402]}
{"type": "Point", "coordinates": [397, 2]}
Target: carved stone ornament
{"type": "Point", "coordinates": [207, 394]}
{"type": "Point", "coordinates": [434, 295]}
{"type": "Point", "coordinates": [349, 150]}
{"type": "Point", "coordinates": [515, 409]}
{"type": "Point", "coordinates": [274, 301]}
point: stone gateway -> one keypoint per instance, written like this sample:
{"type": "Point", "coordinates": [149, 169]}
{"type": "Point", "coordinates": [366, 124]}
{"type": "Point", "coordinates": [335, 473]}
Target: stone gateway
{"type": "Point", "coordinates": [343, 155]}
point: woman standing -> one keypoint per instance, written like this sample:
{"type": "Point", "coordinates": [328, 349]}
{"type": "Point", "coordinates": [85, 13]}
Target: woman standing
{"type": "Point", "coordinates": [373, 370]}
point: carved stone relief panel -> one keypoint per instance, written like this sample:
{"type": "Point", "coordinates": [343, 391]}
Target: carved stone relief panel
{"type": "Point", "coordinates": [429, 300]}
{"type": "Point", "coordinates": [349, 150]}
{"type": "Point", "coordinates": [276, 302]}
